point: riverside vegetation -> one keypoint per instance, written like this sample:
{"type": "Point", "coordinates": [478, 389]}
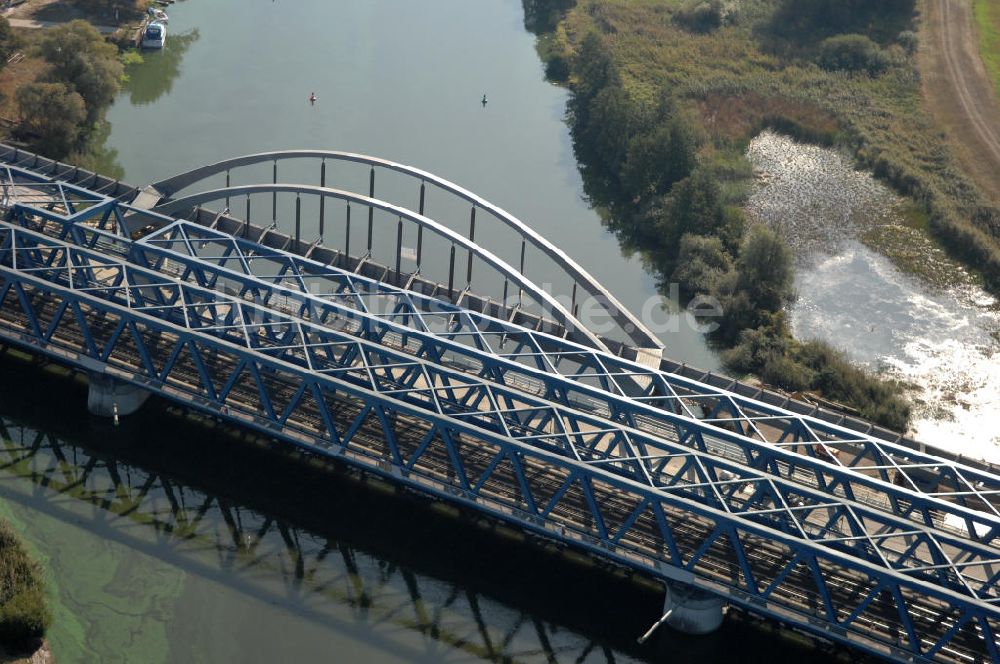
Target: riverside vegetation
{"type": "Point", "coordinates": [72, 74]}
{"type": "Point", "coordinates": [24, 616]}
{"type": "Point", "coordinates": [666, 95]}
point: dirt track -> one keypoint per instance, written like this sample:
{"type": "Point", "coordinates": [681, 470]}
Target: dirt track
{"type": "Point", "coordinates": [958, 91]}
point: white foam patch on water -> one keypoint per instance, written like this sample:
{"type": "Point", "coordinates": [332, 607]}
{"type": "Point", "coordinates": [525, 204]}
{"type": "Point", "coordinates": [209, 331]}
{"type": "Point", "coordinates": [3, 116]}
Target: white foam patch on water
{"type": "Point", "coordinates": [942, 341]}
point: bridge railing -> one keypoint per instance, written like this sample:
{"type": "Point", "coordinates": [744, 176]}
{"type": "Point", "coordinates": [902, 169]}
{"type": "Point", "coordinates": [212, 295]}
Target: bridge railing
{"type": "Point", "coordinates": [427, 195]}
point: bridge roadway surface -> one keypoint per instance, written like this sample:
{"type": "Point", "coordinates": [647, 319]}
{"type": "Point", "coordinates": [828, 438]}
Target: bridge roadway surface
{"type": "Point", "coordinates": [839, 550]}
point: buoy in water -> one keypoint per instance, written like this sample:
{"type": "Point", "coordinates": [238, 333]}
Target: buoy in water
{"type": "Point", "coordinates": [312, 97]}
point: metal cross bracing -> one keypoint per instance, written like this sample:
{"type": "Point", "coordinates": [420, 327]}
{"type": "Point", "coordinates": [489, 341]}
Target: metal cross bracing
{"type": "Point", "coordinates": [454, 324]}
{"type": "Point", "coordinates": [277, 560]}
{"type": "Point", "coordinates": [573, 376]}
{"type": "Point", "coordinates": [658, 403]}
{"type": "Point", "coordinates": [886, 474]}
{"type": "Point", "coordinates": [24, 188]}
{"type": "Point", "coordinates": [845, 570]}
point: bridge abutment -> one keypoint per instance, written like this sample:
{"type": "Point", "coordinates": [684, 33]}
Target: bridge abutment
{"type": "Point", "coordinates": [108, 397]}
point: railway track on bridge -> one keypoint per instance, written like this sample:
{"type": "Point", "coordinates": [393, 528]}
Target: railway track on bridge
{"type": "Point", "coordinates": [781, 527]}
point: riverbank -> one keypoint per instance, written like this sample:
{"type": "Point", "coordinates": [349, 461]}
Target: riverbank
{"type": "Point", "coordinates": [834, 78]}
{"type": "Point", "coordinates": [674, 182]}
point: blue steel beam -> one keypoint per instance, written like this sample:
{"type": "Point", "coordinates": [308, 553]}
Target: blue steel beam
{"type": "Point", "coordinates": [805, 436]}
{"type": "Point", "coordinates": [597, 488]}
{"type": "Point", "coordinates": [973, 489]}
{"type": "Point", "coordinates": [514, 376]}
{"type": "Point", "coordinates": [828, 476]}
{"type": "Point", "coordinates": [494, 363]}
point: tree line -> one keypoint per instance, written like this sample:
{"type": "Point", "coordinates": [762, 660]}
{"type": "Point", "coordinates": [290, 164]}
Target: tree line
{"type": "Point", "coordinates": [643, 161]}
{"type": "Point", "coordinates": [62, 109]}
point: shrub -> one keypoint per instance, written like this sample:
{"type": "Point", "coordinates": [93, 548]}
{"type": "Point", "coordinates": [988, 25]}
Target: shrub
{"type": "Point", "coordinates": [52, 115]}
{"type": "Point", "coordinates": [753, 348]}
{"type": "Point", "coordinates": [839, 379]}
{"type": "Point", "coordinates": [24, 616]}
{"type": "Point", "coordinates": [786, 373]}
{"type": "Point", "coordinates": [557, 68]}
{"type": "Point", "coordinates": [700, 15]}
{"type": "Point", "coordinates": [765, 268]}
{"type": "Point", "coordinates": [701, 262]}
{"type": "Point", "coordinates": [852, 53]}
{"type": "Point", "coordinates": [908, 40]}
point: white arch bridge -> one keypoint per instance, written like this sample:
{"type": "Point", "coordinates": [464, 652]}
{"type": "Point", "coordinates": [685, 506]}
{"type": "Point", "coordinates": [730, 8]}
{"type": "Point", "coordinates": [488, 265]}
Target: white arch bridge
{"type": "Point", "coordinates": [488, 391]}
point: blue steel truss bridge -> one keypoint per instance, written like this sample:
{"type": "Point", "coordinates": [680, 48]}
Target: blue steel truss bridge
{"type": "Point", "coordinates": [444, 366]}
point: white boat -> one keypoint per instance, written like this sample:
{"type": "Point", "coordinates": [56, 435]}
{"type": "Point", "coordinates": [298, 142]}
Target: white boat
{"type": "Point", "coordinates": [154, 36]}
{"type": "Point", "coordinates": [158, 15]}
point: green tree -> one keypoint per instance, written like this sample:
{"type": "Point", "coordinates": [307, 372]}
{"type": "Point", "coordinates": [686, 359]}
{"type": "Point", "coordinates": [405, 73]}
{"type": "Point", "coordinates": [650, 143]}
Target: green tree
{"type": "Point", "coordinates": [542, 16]}
{"type": "Point", "coordinates": [9, 42]}
{"type": "Point", "coordinates": [694, 205]}
{"type": "Point", "coordinates": [657, 159]}
{"type": "Point", "coordinates": [82, 58]}
{"type": "Point", "coordinates": [611, 122]}
{"type": "Point", "coordinates": [765, 268]}
{"type": "Point", "coordinates": [852, 53]}
{"type": "Point", "coordinates": [51, 116]}
{"type": "Point", "coordinates": [594, 72]}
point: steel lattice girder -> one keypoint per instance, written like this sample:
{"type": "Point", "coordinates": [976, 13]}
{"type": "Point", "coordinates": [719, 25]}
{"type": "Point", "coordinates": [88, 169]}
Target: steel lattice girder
{"type": "Point", "coordinates": [621, 452]}
{"type": "Point", "coordinates": [970, 488]}
{"type": "Point", "coordinates": [640, 456]}
{"type": "Point", "coordinates": [408, 320]}
{"type": "Point", "coordinates": [382, 406]}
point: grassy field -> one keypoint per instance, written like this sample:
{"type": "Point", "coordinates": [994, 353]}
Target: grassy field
{"type": "Point", "coordinates": [987, 13]}
{"type": "Point", "coordinates": [759, 69]}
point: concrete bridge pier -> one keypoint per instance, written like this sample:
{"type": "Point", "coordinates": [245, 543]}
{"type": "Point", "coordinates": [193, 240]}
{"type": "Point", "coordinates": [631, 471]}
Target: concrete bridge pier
{"type": "Point", "coordinates": [691, 610]}
{"type": "Point", "coordinates": [688, 609]}
{"type": "Point", "coordinates": [107, 397]}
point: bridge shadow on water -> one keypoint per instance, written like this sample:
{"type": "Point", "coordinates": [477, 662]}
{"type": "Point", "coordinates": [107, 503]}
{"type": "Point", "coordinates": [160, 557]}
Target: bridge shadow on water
{"type": "Point", "coordinates": [283, 529]}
